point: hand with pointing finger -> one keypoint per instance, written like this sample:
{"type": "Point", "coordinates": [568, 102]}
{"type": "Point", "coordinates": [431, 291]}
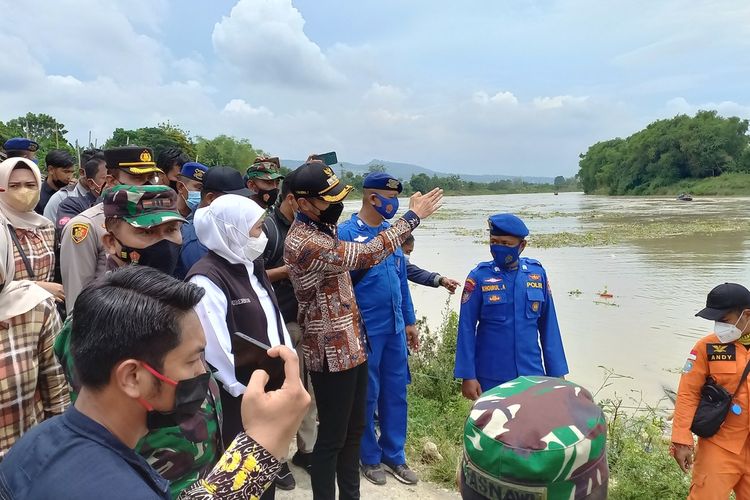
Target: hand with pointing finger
{"type": "Point", "coordinates": [272, 418]}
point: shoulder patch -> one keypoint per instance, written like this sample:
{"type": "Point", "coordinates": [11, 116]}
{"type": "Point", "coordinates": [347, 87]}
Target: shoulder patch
{"type": "Point", "coordinates": [469, 286]}
{"type": "Point", "coordinates": [79, 232]}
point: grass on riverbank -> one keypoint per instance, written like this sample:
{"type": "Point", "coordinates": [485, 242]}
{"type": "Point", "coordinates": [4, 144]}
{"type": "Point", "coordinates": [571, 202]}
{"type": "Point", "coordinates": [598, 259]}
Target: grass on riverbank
{"type": "Point", "coordinates": [727, 184]}
{"type": "Point", "coordinates": [638, 451]}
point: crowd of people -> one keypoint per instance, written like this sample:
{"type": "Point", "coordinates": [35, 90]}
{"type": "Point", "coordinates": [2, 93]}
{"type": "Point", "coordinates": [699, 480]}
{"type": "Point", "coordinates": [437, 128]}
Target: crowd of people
{"type": "Point", "coordinates": [167, 329]}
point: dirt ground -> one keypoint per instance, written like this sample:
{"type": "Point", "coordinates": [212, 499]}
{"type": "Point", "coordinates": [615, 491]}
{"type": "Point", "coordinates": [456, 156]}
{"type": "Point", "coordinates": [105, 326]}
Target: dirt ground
{"type": "Point", "coordinates": [393, 490]}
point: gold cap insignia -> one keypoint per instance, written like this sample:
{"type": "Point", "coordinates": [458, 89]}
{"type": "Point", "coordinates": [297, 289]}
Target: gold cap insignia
{"type": "Point", "coordinates": [145, 156]}
{"type": "Point", "coordinates": [328, 171]}
{"type": "Point", "coordinates": [392, 183]}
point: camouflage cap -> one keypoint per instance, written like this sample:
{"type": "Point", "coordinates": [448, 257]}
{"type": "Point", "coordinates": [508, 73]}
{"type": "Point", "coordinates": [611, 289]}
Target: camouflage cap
{"type": "Point", "coordinates": [537, 438]}
{"type": "Point", "coordinates": [142, 206]}
{"type": "Point", "coordinates": [266, 169]}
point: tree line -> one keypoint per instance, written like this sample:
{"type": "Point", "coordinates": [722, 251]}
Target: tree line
{"type": "Point", "coordinates": [51, 134]}
{"type": "Point", "coordinates": [666, 152]}
{"type": "Point", "coordinates": [239, 153]}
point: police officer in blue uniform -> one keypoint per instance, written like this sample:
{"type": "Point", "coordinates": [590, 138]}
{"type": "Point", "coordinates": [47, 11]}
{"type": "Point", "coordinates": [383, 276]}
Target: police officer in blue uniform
{"type": "Point", "coordinates": [507, 325]}
{"type": "Point", "coordinates": [382, 294]}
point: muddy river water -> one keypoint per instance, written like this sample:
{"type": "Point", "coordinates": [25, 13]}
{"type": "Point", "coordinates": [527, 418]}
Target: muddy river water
{"type": "Point", "coordinates": [657, 257]}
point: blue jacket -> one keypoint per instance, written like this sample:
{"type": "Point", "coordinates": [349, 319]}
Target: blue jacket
{"type": "Point", "coordinates": [72, 457]}
{"type": "Point", "coordinates": [507, 325]}
{"type": "Point", "coordinates": [379, 286]}
{"type": "Point", "coordinates": [421, 276]}
{"type": "Point", "coordinates": [192, 250]}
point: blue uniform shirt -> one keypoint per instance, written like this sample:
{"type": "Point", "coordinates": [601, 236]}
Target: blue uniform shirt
{"type": "Point", "coordinates": [383, 291]}
{"type": "Point", "coordinates": [192, 249]}
{"type": "Point", "coordinates": [507, 325]}
{"type": "Point", "coordinates": [72, 457]}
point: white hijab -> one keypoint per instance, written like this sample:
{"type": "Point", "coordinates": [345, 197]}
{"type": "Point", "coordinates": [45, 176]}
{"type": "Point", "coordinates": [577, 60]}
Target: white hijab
{"type": "Point", "coordinates": [16, 297]}
{"type": "Point", "coordinates": [224, 226]}
{"type": "Point", "coordinates": [20, 220]}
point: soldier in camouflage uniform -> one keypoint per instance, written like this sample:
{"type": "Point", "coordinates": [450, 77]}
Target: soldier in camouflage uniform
{"type": "Point", "coordinates": [180, 453]}
{"type": "Point", "coordinates": [535, 438]}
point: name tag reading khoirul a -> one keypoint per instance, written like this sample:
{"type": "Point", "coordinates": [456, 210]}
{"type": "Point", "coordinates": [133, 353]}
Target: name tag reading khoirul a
{"type": "Point", "coordinates": [497, 489]}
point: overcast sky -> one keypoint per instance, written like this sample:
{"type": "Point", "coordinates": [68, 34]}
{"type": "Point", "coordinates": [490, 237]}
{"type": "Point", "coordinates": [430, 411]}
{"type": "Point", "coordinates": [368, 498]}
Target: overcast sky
{"type": "Point", "coordinates": [495, 86]}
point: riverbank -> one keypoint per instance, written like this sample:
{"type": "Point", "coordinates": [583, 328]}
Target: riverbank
{"type": "Point", "coordinates": [727, 184]}
{"type": "Point", "coordinates": [638, 446]}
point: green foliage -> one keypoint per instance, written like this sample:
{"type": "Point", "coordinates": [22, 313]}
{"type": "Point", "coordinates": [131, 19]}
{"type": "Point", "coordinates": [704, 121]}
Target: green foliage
{"type": "Point", "coordinates": [666, 151]}
{"type": "Point", "coordinates": [454, 185]}
{"type": "Point", "coordinates": [227, 151]}
{"type": "Point", "coordinates": [437, 411]}
{"type": "Point", "coordinates": [159, 138]}
{"type": "Point", "coordinates": [44, 129]}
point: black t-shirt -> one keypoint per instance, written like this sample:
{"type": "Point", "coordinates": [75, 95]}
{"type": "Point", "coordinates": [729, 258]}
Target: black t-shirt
{"type": "Point", "coordinates": [276, 227]}
{"type": "Point", "coordinates": [44, 197]}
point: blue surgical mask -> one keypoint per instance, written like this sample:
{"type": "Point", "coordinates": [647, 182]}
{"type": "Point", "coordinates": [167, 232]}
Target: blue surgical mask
{"type": "Point", "coordinates": [505, 257]}
{"type": "Point", "coordinates": [193, 200]}
{"type": "Point", "coordinates": [388, 206]}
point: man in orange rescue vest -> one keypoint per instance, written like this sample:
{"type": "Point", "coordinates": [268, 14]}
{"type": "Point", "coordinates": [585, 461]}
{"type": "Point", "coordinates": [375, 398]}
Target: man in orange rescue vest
{"type": "Point", "coordinates": [722, 461]}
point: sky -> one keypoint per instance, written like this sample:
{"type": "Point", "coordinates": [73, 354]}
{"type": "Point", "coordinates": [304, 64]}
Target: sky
{"type": "Point", "coordinates": [481, 87]}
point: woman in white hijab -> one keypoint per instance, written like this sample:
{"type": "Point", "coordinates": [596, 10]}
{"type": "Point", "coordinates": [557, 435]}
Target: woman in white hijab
{"type": "Point", "coordinates": [33, 236]}
{"type": "Point", "coordinates": [34, 386]}
{"type": "Point", "coordinates": [239, 298]}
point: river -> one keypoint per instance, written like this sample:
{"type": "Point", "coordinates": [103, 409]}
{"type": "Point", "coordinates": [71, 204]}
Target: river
{"type": "Point", "coordinates": [658, 281]}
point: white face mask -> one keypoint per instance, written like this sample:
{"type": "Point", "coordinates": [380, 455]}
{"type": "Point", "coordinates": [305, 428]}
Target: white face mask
{"type": "Point", "coordinates": [727, 332]}
{"type": "Point", "coordinates": [254, 247]}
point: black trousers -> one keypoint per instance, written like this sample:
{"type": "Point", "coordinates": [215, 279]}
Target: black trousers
{"type": "Point", "coordinates": [341, 398]}
{"type": "Point", "coordinates": [232, 425]}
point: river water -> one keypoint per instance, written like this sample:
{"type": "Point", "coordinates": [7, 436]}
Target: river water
{"type": "Point", "coordinates": [647, 328]}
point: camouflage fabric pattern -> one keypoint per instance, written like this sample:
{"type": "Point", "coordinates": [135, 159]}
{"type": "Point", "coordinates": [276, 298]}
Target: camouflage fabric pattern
{"type": "Point", "coordinates": [537, 432]}
{"type": "Point", "coordinates": [181, 454]}
{"type": "Point", "coordinates": [264, 169]}
{"type": "Point", "coordinates": [142, 206]}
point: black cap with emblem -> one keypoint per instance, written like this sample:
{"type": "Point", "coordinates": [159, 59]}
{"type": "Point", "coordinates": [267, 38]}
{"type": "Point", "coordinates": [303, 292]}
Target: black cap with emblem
{"type": "Point", "coordinates": [723, 299]}
{"type": "Point", "coordinates": [315, 179]}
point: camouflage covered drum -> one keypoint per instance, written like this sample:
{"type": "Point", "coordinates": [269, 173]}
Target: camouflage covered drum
{"type": "Point", "coordinates": [535, 438]}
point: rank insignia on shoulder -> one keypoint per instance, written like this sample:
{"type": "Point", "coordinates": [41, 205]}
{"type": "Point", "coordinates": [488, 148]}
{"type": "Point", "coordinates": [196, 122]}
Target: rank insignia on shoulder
{"type": "Point", "coordinates": [721, 352]}
{"type": "Point", "coordinates": [79, 232]}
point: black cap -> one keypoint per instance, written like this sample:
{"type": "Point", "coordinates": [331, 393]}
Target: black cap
{"type": "Point", "coordinates": [225, 180]}
{"type": "Point", "coordinates": [133, 159]}
{"type": "Point", "coordinates": [315, 179]}
{"type": "Point", "coordinates": [724, 298]}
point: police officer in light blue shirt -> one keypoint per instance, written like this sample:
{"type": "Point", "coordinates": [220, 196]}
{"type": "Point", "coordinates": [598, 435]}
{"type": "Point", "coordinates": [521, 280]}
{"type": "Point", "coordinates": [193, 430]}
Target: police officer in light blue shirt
{"type": "Point", "coordinates": [382, 294]}
{"type": "Point", "coordinates": [507, 325]}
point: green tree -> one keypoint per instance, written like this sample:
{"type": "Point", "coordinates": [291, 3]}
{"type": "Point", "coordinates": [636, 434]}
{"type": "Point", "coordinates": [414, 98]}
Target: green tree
{"type": "Point", "coordinates": [226, 150]}
{"type": "Point", "coordinates": [376, 167]}
{"type": "Point", "coordinates": [44, 129]}
{"type": "Point", "coordinates": [163, 136]}
{"type": "Point", "coordinates": [559, 181]}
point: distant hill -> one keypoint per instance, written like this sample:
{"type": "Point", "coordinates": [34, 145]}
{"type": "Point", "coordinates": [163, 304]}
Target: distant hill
{"type": "Point", "coordinates": [404, 171]}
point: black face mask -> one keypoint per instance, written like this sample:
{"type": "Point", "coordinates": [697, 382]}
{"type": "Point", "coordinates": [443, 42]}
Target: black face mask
{"type": "Point", "coordinates": [189, 395]}
{"type": "Point", "coordinates": [267, 196]}
{"type": "Point", "coordinates": [173, 185]}
{"type": "Point", "coordinates": [331, 214]}
{"type": "Point", "coordinates": [162, 255]}
{"type": "Point", "coordinates": [59, 184]}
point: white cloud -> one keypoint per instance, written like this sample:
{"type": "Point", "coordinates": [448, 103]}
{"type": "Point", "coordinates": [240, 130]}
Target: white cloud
{"type": "Point", "coordinates": [385, 93]}
{"type": "Point", "coordinates": [241, 107]}
{"type": "Point", "coordinates": [557, 101]}
{"type": "Point", "coordinates": [502, 98]}
{"type": "Point", "coordinates": [264, 40]}
{"type": "Point", "coordinates": [680, 105]}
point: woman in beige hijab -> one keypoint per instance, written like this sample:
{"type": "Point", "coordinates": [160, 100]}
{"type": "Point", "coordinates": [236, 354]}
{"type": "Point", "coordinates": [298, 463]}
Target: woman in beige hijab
{"type": "Point", "coordinates": [33, 383]}
{"type": "Point", "coordinates": [32, 236]}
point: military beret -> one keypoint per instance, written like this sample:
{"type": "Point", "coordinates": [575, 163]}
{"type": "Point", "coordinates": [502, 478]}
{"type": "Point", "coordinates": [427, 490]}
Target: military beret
{"type": "Point", "coordinates": [535, 437]}
{"type": "Point", "coordinates": [194, 170]}
{"type": "Point", "coordinates": [381, 180]}
{"type": "Point", "coordinates": [507, 224]}
{"type": "Point", "coordinates": [266, 169]}
{"type": "Point", "coordinates": [20, 144]}
{"type": "Point", "coordinates": [142, 206]}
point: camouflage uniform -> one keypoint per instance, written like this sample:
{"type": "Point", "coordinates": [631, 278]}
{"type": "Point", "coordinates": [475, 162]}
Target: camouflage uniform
{"type": "Point", "coordinates": [182, 453]}
{"type": "Point", "coordinates": [535, 438]}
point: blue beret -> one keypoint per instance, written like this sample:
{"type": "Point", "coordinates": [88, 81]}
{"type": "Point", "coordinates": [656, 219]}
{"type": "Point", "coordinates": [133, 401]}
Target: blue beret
{"type": "Point", "coordinates": [507, 224]}
{"type": "Point", "coordinates": [194, 170]}
{"type": "Point", "coordinates": [20, 144]}
{"type": "Point", "coordinates": [381, 180]}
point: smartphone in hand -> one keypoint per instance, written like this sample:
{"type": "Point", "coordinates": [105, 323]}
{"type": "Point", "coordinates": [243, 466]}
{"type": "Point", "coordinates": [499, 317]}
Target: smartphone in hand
{"type": "Point", "coordinates": [327, 158]}
{"type": "Point", "coordinates": [260, 360]}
